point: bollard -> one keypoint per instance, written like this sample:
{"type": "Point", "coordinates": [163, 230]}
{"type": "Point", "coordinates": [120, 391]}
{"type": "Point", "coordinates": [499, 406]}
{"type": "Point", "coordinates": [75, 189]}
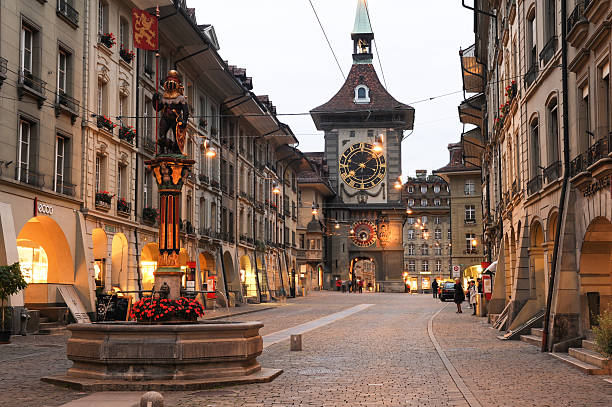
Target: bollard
{"type": "Point", "coordinates": [296, 342]}
{"type": "Point", "coordinates": [152, 399]}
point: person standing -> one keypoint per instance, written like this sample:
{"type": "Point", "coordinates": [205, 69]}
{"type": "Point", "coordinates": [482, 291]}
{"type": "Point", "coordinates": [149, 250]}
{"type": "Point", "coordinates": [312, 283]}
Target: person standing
{"type": "Point", "coordinates": [473, 290]}
{"type": "Point", "coordinates": [360, 286]}
{"type": "Point", "coordinates": [434, 288]}
{"type": "Point", "coordinates": [459, 295]}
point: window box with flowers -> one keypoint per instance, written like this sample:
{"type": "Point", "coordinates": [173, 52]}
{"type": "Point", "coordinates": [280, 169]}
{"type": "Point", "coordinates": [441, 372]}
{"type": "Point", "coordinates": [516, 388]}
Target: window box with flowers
{"type": "Point", "coordinates": [150, 215]}
{"type": "Point", "coordinates": [103, 200]}
{"type": "Point", "coordinates": [123, 207]}
{"type": "Point", "coordinates": [127, 133]}
{"type": "Point", "coordinates": [126, 54]}
{"type": "Point", "coordinates": [105, 123]}
{"type": "Point", "coordinates": [108, 39]}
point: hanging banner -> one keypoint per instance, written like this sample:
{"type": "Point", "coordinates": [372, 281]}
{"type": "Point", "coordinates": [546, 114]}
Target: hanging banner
{"type": "Point", "coordinates": [145, 32]}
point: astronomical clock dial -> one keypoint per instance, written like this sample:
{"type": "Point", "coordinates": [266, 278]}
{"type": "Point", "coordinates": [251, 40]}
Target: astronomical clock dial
{"type": "Point", "coordinates": [361, 167]}
{"type": "Point", "coordinates": [364, 233]}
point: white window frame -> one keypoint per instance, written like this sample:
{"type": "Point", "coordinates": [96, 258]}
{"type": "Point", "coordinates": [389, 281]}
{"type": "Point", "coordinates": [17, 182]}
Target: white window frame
{"type": "Point", "coordinates": [425, 265]}
{"type": "Point", "coordinates": [438, 266]}
{"type": "Point", "coordinates": [98, 172]}
{"type": "Point", "coordinates": [436, 189]}
{"type": "Point", "coordinates": [470, 212]}
{"type": "Point", "coordinates": [424, 189]}
{"type": "Point", "coordinates": [366, 99]}
{"type": "Point", "coordinates": [411, 266]}
{"type": "Point", "coordinates": [62, 71]}
{"type": "Point", "coordinates": [424, 202]}
{"type": "Point", "coordinates": [27, 49]}
{"type": "Point", "coordinates": [438, 234]}
{"type": "Point", "coordinates": [410, 189]}
{"type": "Point", "coordinates": [470, 187]}
{"type": "Point", "coordinates": [60, 155]}
{"type": "Point", "coordinates": [25, 141]}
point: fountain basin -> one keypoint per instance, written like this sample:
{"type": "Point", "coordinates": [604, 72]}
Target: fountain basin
{"type": "Point", "coordinates": [130, 356]}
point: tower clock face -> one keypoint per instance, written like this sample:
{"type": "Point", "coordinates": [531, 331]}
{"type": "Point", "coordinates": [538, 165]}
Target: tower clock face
{"type": "Point", "coordinates": [361, 167]}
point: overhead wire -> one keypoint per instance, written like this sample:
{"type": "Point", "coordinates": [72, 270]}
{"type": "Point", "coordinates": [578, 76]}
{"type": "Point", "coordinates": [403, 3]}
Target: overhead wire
{"type": "Point", "coordinates": [327, 39]}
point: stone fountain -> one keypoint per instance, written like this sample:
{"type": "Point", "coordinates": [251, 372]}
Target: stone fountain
{"type": "Point", "coordinates": [174, 355]}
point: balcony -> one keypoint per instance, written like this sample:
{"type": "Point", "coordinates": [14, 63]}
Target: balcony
{"type": "Point", "coordinates": [65, 188]}
{"type": "Point", "coordinates": [531, 75]}
{"type": "Point", "coordinates": [599, 150]}
{"type": "Point", "coordinates": [185, 226]}
{"type": "Point", "coordinates": [472, 70]}
{"type": "Point", "coordinates": [103, 200]}
{"type": "Point", "coordinates": [534, 185]}
{"type": "Point", "coordinates": [2, 70]}
{"type": "Point", "coordinates": [577, 25]}
{"type": "Point", "coordinates": [124, 208]}
{"type": "Point", "coordinates": [67, 104]}
{"type": "Point", "coordinates": [30, 177]}
{"type": "Point", "coordinates": [552, 172]}
{"type": "Point", "coordinates": [204, 179]}
{"type": "Point", "coordinates": [149, 144]}
{"type": "Point", "coordinates": [29, 84]}
{"type": "Point", "coordinates": [67, 13]}
{"type": "Point", "coordinates": [549, 50]}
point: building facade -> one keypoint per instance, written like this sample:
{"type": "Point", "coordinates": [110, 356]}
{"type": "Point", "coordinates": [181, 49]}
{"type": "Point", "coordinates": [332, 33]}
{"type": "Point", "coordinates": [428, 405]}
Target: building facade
{"type": "Point", "coordinates": [545, 158]}
{"type": "Point", "coordinates": [427, 230]}
{"type": "Point", "coordinates": [79, 205]}
{"type": "Point", "coordinates": [363, 127]}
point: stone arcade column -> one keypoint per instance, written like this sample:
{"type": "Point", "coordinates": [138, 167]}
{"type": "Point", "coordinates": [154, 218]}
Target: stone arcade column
{"type": "Point", "coordinates": [170, 172]}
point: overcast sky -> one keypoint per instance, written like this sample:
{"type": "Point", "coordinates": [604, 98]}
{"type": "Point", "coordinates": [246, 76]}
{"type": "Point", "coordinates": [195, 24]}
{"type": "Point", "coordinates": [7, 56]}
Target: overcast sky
{"type": "Point", "coordinates": [282, 47]}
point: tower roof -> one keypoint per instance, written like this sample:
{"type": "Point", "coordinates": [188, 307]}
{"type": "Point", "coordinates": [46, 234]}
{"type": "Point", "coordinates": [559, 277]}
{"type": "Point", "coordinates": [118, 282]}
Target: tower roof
{"type": "Point", "coordinates": [362, 19]}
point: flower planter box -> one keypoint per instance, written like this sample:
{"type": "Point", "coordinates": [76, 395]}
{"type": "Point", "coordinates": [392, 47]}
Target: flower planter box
{"type": "Point", "coordinates": [108, 39]}
{"type": "Point", "coordinates": [126, 55]}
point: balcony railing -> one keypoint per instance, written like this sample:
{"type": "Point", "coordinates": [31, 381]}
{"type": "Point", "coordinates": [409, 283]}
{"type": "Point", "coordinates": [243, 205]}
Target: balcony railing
{"type": "Point", "coordinates": [27, 82]}
{"type": "Point", "coordinates": [149, 144]}
{"type": "Point", "coordinates": [67, 12]}
{"type": "Point", "coordinates": [30, 177]}
{"type": "Point", "coordinates": [204, 179]}
{"type": "Point", "coordinates": [2, 70]}
{"type": "Point", "coordinates": [578, 165]}
{"type": "Point", "coordinates": [552, 172]}
{"type": "Point", "coordinates": [65, 189]}
{"type": "Point", "coordinates": [577, 16]}
{"type": "Point", "coordinates": [549, 50]}
{"type": "Point", "coordinates": [531, 75]}
{"type": "Point", "coordinates": [67, 104]}
{"type": "Point", "coordinates": [600, 149]}
{"type": "Point", "coordinates": [534, 184]}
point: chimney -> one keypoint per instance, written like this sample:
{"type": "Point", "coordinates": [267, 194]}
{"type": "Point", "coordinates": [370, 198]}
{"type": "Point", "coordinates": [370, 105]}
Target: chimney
{"type": "Point", "coordinates": [421, 174]}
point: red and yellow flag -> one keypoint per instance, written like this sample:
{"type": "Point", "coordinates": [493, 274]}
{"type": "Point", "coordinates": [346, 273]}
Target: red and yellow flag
{"type": "Point", "coordinates": [145, 31]}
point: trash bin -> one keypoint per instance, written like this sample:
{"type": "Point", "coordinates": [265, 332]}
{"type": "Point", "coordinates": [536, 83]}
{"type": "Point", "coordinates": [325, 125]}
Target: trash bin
{"type": "Point", "coordinates": [481, 306]}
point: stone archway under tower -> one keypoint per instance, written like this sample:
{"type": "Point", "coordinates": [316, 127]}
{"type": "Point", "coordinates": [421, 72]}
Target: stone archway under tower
{"type": "Point", "coordinates": [366, 267]}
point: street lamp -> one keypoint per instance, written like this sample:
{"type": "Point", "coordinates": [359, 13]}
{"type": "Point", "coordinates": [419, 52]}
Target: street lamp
{"type": "Point", "coordinates": [209, 151]}
{"type": "Point", "coordinates": [378, 144]}
{"type": "Point", "coordinates": [315, 208]}
{"type": "Point", "coordinates": [409, 211]}
{"type": "Point", "coordinates": [398, 183]}
{"type": "Point", "coordinates": [337, 225]}
{"type": "Point", "coordinates": [474, 242]}
{"type": "Point", "coordinates": [275, 189]}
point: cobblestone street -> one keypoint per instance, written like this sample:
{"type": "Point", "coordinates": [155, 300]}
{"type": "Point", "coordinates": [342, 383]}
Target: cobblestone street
{"type": "Point", "coordinates": [381, 355]}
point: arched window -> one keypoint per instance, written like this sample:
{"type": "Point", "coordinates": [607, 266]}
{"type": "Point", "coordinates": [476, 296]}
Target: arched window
{"type": "Point", "coordinates": [362, 94]}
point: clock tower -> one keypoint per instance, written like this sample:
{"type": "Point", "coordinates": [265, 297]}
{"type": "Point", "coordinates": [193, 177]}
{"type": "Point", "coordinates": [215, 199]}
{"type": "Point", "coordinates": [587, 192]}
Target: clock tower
{"type": "Point", "coordinates": [364, 126]}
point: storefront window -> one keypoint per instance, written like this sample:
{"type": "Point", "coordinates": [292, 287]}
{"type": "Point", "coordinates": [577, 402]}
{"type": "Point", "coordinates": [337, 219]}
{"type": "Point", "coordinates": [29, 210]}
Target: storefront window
{"type": "Point", "coordinates": [146, 269]}
{"type": "Point", "coordinates": [33, 261]}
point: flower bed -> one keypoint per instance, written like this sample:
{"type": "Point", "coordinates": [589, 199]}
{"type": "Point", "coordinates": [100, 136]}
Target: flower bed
{"type": "Point", "coordinates": [150, 214]}
{"type": "Point", "coordinates": [127, 133]}
{"type": "Point", "coordinates": [104, 122]}
{"type": "Point", "coordinates": [164, 310]}
{"type": "Point", "coordinates": [103, 197]}
{"type": "Point", "coordinates": [126, 55]}
{"type": "Point", "coordinates": [108, 39]}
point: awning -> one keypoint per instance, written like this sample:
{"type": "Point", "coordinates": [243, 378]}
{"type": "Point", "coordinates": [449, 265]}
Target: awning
{"type": "Point", "coordinates": [470, 110]}
{"type": "Point", "coordinates": [491, 269]}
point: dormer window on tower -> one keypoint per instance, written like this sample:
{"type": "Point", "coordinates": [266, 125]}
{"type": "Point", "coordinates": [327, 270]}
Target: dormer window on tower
{"type": "Point", "coordinates": [362, 94]}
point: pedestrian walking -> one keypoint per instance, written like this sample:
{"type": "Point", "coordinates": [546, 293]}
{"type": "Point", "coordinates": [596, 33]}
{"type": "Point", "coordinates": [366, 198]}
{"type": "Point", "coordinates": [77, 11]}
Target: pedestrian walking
{"type": "Point", "coordinates": [459, 295]}
{"type": "Point", "coordinates": [434, 288]}
{"type": "Point", "coordinates": [473, 290]}
{"type": "Point", "coordinates": [349, 285]}
{"type": "Point", "coordinates": [479, 285]}
{"type": "Point", "coordinates": [338, 285]}
{"type": "Point", "coordinates": [343, 284]}
{"type": "Point", "coordinates": [360, 286]}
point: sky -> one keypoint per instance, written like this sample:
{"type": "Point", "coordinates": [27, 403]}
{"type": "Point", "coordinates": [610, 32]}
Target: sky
{"type": "Point", "coordinates": [282, 47]}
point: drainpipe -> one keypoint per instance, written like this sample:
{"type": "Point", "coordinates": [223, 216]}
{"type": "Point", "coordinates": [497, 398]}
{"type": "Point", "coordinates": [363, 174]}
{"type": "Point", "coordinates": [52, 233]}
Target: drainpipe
{"type": "Point", "coordinates": [566, 161]}
{"type": "Point", "coordinates": [85, 94]}
{"type": "Point", "coordinates": [137, 127]}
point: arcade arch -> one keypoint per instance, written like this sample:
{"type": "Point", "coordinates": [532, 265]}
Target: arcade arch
{"type": "Point", "coordinates": [119, 262]}
{"type": "Point", "coordinates": [248, 279]}
{"type": "Point", "coordinates": [537, 264]}
{"type": "Point", "coordinates": [100, 253]}
{"type": "Point", "coordinates": [596, 269]}
{"type": "Point", "coordinates": [148, 264]}
{"type": "Point", "coordinates": [44, 257]}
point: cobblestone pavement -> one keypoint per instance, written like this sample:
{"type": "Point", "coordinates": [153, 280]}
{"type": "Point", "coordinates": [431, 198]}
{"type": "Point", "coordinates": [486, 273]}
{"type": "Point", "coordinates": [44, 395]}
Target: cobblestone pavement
{"type": "Point", "coordinates": [381, 356]}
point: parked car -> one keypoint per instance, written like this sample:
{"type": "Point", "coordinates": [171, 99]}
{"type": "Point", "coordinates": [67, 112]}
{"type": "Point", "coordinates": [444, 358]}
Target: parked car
{"type": "Point", "coordinates": [447, 291]}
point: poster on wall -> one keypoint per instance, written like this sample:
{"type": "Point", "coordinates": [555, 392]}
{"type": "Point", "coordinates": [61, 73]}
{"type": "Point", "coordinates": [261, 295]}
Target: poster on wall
{"type": "Point", "coordinates": [456, 272]}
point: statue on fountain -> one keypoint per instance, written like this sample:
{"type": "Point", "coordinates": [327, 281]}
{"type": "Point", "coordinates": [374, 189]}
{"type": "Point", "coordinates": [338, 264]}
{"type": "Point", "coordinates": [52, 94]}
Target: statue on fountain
{"type": "Point", "coordinates": [174, 115]}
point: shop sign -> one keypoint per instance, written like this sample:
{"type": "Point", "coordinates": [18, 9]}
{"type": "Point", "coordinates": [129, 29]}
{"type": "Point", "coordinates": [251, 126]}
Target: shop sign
{"type": "Point", "coordinates": [42, 208]}
{"type": "Point", "coordinates": [597, 186]}
{"type": "Point", "coordinates": [74, 303]}
{"type": "Point", "coordinates": [487, 286]}
{"type": "Point", "coordinates": [110, 229]}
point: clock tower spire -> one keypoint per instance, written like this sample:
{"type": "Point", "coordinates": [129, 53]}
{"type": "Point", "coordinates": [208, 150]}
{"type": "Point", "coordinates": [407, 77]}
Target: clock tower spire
{"type": "Point", "coordinates": [362, 35]}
